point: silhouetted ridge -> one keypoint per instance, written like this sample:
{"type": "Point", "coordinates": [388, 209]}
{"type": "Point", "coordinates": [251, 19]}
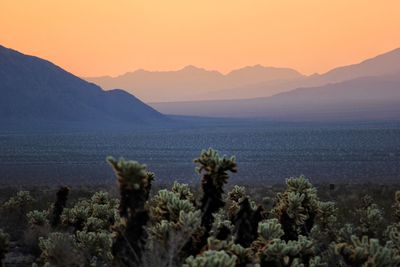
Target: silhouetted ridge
{"type": "Point", "coordinates": [39, 94]}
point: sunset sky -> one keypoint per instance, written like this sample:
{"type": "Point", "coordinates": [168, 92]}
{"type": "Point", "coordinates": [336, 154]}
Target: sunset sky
{"type": "Point", "coordinates": [111, 37]}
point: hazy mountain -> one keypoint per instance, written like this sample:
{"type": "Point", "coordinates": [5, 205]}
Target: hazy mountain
{"type": "Point", "coordinates": [36, 94]}
{"type": "Point", "coordinates": [366, 98]}
{"type": "Point", "coordinates": [385, 64]}
{"type": "Point", "coordinates": [192, 83]}
{"type": "Point", "coordinates": [261, 89]}
{"type": "Point", "coordinates": [256, 74]}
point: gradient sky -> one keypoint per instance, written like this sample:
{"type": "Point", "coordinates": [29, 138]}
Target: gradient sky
{"type": "Point", "coordinates": [110, 37]}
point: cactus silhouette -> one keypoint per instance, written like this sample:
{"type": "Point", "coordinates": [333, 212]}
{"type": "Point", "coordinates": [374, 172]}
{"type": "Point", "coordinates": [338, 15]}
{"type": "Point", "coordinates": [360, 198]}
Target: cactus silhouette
{"type": "Point", "coordinates": [215, 174]}
{"type": "Point", "coordinates": [59, 205]}
{"type": "Point", "coordinates": [134, 187]}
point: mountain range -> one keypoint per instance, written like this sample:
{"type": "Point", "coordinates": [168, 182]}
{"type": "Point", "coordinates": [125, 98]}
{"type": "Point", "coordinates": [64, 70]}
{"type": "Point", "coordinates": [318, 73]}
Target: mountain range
{"type": "Point", "coordinates": [366, 98]}
{"type": "Point", "coordinates": [36, 94]}
{"type": "Point", "coordinates": [369, 90]}
{"type": "Point", "coordinates": [196, 84]}
{"type": "Point", "coordinates": [193, 83]}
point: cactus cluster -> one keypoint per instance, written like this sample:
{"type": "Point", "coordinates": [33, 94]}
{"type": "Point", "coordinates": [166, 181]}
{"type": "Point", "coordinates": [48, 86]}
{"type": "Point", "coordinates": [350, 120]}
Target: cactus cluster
{"type": "Point", "coordinates": [84, 234]}
{"type": "Point", "coordinates": [368, 252]}
{"type": "Point", "coordinates": [206, 228]}
{"type": "Point", "coordinates": [297, 208]}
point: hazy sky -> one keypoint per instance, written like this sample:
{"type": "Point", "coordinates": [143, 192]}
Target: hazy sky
{"type": "Point", "coordinates": [99, 37]}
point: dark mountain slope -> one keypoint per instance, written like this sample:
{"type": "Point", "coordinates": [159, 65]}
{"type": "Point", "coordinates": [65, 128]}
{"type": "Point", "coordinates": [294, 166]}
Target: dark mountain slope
{"type": "Point", "coordinates": [38, 93]}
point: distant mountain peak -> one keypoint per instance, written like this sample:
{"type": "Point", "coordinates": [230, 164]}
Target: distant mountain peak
{"type": "Point", "coordinates": [257, 66]}
{"type": "Point", "coordinates": [191, 67]}
{"type": "Point", "coordinates": [265, 69]}
{"type": "Point", "coordinates": [195, 69]}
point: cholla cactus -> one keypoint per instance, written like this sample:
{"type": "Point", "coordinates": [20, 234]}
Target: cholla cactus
{"type": "Point", "coordinates": [234, 198]}
{"type": "Point", "coordinates": [59, 205]}
{"type": "Point", "coordinates": [19, 205]}
{"type": "Point", "coordinates": [215, 170]}
{"type": "Point", "coordinates": [14, 211]}
{"type": "Point", "coordinates": [183, 191]}
{"type": "Point", "coordinates": [21, 201]}
{"type": "Point", "coordinates": [237, 193]}
{"type": "Point", "coordinates": [82, 249]}
{"type": "Point", "coordinates": [368, 252]}
{"type": "Point", "coordinates": [325, 230]}
{"type": "Point", "coordinates": [4, 245]}
{"type": "Point", "coordinates": [77, 215]}
{"type": "Point", "coordinates": [38, 227]}
{"type": "Point", "coordinates": [215, 174]}
{"type": "Point", "coordinates": [297, 207]}
{"type": "Point", "coordinates": [175, 223]}
{"type": "Point", "coordinates": [291, 253]}
{"type": "Point", "coordinates": [317, 262]}
{"type": "Point", "coordinates": [91, 220]}
{"type": "Point", "coordinates": [168, 239]}
{"type": "Point", "coordinates": [61, 249]}
{"type": "Point", "coordinates": [38, 218]}
{"type": "Point", "coordinates": [244, 214]}
{"type": "Point", "coordinates": [222, 227]}
{"type": "Point", "coordinates": [370, 218]}
{"type": "Point", "coordinates": [134, 185]}
{"type": "Point", "coordinates": [95, 247]}
{"type": "Point", "coordinates": [327, 216]}
{"type": "Point", "coordinates": [392, 233]}
{"type": "Point", "coordinates": [396, 205]}
{"type": "Point", "coordinates": [168, 204]}
{"type": "Point", "coordinates": [246, 222]}
{"type": "Point", "coordinates": [211, 258]}
{"type": "Point", "coordinates": [346, 232]}
{"type": "Point", "coordinates": [244, 256]}
{"type": "Point", "coordinates": [95, 214]}
{"type": "Point", "coordinates": [269, 230]}
{"type": "Point", "coordinates": [170, 212]}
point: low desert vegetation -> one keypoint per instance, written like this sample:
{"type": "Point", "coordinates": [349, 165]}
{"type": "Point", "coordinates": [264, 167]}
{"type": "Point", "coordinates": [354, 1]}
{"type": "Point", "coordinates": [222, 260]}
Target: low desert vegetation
{"type": "Point", "coordinates": [216, 225]}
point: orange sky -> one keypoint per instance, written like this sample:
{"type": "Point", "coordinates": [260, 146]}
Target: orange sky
{"type": "Point", "coordinates": [99, 37]}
